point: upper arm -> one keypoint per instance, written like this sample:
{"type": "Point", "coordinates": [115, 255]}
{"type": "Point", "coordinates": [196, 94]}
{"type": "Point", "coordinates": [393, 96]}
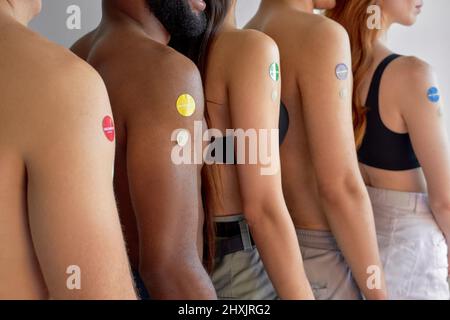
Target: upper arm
{"type": "Point", "coordinates": [72, 211]}
{"type": "Point", "coordinates": [165, 194]}
{"type": "Point", "coordinates": [426, 126]}
{"type": "Point", "coordinates": [327, 104]}
{"type": "Point", "coordinates": [254, 101]}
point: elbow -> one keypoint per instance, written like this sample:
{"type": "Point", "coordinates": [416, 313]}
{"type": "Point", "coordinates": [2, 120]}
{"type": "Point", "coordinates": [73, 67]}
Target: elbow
{"type": "Point", "coordinates": [342, 192]}
{"type": "Point", "coordinates": [161, 272]}
{"type": "Point", "coordinates": [264, 210]}
{"type": "Point", "coordinates": [181, 278]}
{"type": "Point", "coordinates": [440, 207]}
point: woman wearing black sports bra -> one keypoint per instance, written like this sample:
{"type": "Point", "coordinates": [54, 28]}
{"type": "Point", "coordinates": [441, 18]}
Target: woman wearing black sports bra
{"type": "Point", "coordinates": [241, 73]}
{"type": "Point", "coordinates": [404, 155]}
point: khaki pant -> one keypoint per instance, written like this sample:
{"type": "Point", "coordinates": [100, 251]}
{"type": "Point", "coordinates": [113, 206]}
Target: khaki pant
{"type": "Point", "coordinates": [327, 271]}
{"type": "Point", "coordinates": [412, 247]}
{"type": "Point", "coordinates": [241, 275]}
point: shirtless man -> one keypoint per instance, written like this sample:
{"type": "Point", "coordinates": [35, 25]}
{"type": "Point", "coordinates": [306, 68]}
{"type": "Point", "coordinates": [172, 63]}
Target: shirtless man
{"type": "Point", "coordinates": [160, 202]}
{"type": "Point", "coordinates": [322, 185]}
{"type": "Point", "coordinates": [60, 235]}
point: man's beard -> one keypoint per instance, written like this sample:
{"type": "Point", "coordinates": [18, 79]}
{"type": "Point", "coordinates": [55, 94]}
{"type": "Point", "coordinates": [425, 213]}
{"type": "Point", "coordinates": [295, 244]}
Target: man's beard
{"type": "Point", "coordinates": [178, 18]}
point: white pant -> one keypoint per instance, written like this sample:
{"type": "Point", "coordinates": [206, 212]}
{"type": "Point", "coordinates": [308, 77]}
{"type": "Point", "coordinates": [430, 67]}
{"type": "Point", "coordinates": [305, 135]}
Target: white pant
{"type": "Point", "coordinates": [412, 247]}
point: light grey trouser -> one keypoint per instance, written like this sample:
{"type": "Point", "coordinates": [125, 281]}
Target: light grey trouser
{"type": "Point", "coordinates": [327, 271]}
{"type": "Point", "coordinates": [412, 247]}
{"type": "Point", "coordinates": [241, 275]}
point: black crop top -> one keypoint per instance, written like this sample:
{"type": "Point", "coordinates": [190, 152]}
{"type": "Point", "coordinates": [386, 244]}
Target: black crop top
{"type": "Point", "coordinates": [228, 155]}
{"type": "Point", "coordinates": [382, 148]}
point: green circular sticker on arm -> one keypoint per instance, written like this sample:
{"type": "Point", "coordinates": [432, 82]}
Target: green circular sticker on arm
{"type": "Point", "coordinates": [274, 71]}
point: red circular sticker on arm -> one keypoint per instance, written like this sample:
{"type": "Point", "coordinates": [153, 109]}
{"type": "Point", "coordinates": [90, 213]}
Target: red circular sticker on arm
{"type": "Point", "coordinates": [108, 128]}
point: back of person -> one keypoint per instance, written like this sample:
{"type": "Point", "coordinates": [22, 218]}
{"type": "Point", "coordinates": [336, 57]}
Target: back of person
{"type": "Point", "coordinates": [298, 171]}
{"type": "Point", "coordinates": [321, 181]}
{"type": "Point", "coordinates": [20, 274]}
{"type": "Point", "coordinates": [404, 153]}
{"type": "Point", "coordinates": [156, 96]}
{"type": "Point", "coordinates": [48, 246]}
{"type": "Point", "coordinates": [397, 184]}
{"type": "Point", "coordinates": [243, 190]}
{"type": "Point", "coordinates": [387, 158]}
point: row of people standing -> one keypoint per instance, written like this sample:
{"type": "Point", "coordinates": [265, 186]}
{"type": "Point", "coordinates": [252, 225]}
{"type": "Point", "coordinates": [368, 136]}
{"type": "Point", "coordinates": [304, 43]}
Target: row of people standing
{"type": "Point", "coordinates": [344, 97]}
{"type": "Point", "coordinates": [325, 226]}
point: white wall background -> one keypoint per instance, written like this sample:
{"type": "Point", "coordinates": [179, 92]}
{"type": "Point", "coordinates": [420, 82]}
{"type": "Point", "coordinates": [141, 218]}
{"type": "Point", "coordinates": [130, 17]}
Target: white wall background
{"type": "Point", "coordinates": [429, 39]}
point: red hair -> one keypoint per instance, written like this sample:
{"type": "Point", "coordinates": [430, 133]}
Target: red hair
{"type": "Point", "coordinates": [353, 16]}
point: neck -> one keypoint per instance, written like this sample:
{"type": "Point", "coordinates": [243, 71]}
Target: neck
{"type": "Point", "coordinates": [137, 14]}
{"type": "Point", "coordinates": [15, 13]}
{"type": "Point", "coordinates": [230, 19]}
{"type": "Point", "coordinates": [302, 5]}
{"type": "Point", "coordinates": [383, 33]}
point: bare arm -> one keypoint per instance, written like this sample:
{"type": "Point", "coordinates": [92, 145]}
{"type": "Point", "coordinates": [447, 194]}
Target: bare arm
{"type": "Point", "coordinates": [426, 126]}
{"type": "Point", "coordinates": [166, 195]}
{"type": "Point", "coordinates": [72, 211]}
{"type": "Point", "coordinates": [252, 107]}
{"type": "Point", "coordinates": [328, 121]}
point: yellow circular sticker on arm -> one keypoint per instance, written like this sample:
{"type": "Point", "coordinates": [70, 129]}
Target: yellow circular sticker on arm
{"type": "Point", "coordinates": [186, 105]}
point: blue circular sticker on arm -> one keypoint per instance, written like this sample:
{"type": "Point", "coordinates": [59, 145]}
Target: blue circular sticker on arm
{"type": "Point", "coordinates": [342, 71]}
{"type": "Point", "coordinates": [433, 95]}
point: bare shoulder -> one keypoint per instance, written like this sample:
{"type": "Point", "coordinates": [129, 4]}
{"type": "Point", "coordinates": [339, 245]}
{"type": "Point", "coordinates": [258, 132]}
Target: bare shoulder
{"type": "Point", "coordinates": [72, 80]}
{"type": "Point", "coordinates": [326, 33]}
{"type": "Point", "coordinates": [250, 42]}
{"type": "Point", "coordinates": [162, 75]}
{"type": "Point", "coordinates": [166, 66]}
{"type": "Point", "coordinates": [50, 73]}
{"type": "Point", "coordinates": [317, 41]}
{"type": "Point", "coordinates": [415, 82]}
{"type": "Point", "coordinates": [83, 45]}
{"type": "Point", "coordinates": [412, 70]}
{"type": "Point", "coordinates": [254, 49]}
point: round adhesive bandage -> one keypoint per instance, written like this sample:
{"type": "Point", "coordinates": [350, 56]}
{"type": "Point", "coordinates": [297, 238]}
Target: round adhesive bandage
{"type": "Point", "coordinates": [186, 105]}
{"type": "Point", "coordinates": [343, 93]}
{"type": "Point", "coordinates": [433, 95]}
{"type": "Point", "coordinates": [182, 138]}
{"type": "Point", "coordinates": [274, 71]}
{"type": "Point", "coordinates": [274, 95]}
{"type": "Point", "coordinates": [108, 128]}
{"type": "Point", "coordinates": [342, 71]}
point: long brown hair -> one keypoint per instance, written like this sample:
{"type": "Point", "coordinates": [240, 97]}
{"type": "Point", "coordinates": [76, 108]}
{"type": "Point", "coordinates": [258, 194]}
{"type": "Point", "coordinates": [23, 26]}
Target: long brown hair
{"type": "Point", "coordinates": [216, 12]}
{"type": "Point", "coordinates": [353, 16]}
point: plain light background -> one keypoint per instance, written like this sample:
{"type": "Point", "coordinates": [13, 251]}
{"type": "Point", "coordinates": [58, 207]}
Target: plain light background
{"type": "Point", "coordinates": [428, 39]}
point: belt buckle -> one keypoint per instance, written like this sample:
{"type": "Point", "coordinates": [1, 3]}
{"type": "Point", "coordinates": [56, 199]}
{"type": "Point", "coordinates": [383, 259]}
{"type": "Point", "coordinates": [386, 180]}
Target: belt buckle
{"type": "Point", "coordinates": [245, 236]}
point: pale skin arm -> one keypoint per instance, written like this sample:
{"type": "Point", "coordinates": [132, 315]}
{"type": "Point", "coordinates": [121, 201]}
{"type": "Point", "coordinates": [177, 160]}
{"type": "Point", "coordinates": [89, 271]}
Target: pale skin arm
{"type": "Point", "coordinates": [165, 195]}
{"type": "Point", "coordinates": [251, 106]}
{"type": "Point", "coordinates": [426, 126]}
{"type": "Point", "coordinates": [72, 211]}
{"type": "Point", "coordinates": [328, 122]}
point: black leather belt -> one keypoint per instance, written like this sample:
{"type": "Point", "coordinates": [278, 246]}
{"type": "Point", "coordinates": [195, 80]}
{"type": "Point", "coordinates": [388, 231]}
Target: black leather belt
{"type": "Point", "coordinates": [231, 238]}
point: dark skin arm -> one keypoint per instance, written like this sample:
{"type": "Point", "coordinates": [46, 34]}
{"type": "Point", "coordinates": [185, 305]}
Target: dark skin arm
{"type": "Point", "coordinates": [166, 196]}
